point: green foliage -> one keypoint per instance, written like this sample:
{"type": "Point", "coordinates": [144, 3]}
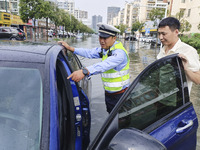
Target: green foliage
{"type": "Point", "coordinates": [185, 25]}
{"type": "Point", "coordinates": [192, 40]}
{"type": "Point", "coordinates": [30, 9]}
{"type": "Point", "coordinates": [137, 26]}
{"type": "Point", "coordinates": [180, 15]}
{"type": "Point", "coordinates": [122, 28]}
{"type": "Point", "coordinates": [156, 13]}
{"type": "Point", "coordinates": [37, 9]}
{"type": "Point", "coordinates": [198, 26]}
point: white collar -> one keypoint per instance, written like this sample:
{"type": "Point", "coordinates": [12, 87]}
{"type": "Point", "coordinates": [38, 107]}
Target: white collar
{"type": "Point", "coordinates": [174, 48]}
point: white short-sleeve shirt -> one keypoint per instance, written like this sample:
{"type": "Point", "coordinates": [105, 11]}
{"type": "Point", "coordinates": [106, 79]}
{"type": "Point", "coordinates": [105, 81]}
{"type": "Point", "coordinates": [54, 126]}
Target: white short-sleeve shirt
{"type": "Point", "coordinates": [189, 52]}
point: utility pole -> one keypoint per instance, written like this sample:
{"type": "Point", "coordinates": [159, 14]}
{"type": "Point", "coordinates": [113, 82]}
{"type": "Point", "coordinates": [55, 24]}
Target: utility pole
{"type": "Point", "coordinates": [6, 5]}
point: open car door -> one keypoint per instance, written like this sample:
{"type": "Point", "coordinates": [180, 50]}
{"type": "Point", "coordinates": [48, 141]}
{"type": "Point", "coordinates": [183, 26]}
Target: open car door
{"type": "Point", "coordinates": [156, 106]}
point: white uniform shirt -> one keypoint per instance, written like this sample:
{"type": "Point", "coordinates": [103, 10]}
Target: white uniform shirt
{"type": "Point", "coordinates": [189, 52]}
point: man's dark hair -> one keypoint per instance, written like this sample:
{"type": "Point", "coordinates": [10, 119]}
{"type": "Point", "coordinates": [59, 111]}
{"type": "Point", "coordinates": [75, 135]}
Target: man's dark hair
{"type": "Point", "coordinates": [172, 22]}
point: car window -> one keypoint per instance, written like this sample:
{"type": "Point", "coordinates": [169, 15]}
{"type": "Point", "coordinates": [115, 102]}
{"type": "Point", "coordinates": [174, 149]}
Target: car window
{"type": "Point", "coordinates": [14, 30]}
{"type": "Point", "coordinates": [158, 93]}
{"type": "Point", "coordinates": [5, 30]}
{"type": "Point", "coordinates": [72, 61]}
{"type": "Point", "coordinates": [20, 108]}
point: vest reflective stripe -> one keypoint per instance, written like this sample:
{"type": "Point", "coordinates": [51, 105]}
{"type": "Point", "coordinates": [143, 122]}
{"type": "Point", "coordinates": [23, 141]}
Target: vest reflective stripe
{"type": "Point", "coordinates": [113, 89]}
{"type": "Point", "coordinates": [115, 80]}
{"type": "Point", "coordinates": [119, 79]}
{"type": "Point", "coordinates": [116, 74]}
{"type": "Point", "coordinates": [116, 84]}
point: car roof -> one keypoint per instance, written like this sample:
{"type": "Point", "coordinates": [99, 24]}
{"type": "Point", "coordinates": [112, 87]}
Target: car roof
{"type": "Point", "coordinates": [25, 53]}
{"type": "Point", "coordinates": [7, 27]}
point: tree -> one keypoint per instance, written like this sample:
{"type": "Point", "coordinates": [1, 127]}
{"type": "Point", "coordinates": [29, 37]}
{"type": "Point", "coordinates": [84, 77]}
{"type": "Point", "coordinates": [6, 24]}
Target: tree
{"type": "Point", "coordinates": [185, 25]}
{"type": "Point", "coordinates": [180, 15]}
{"type": "Point", "coordinates": [56, 17]}
{"type": "Point", "coordinates": [30, 9]}
{"type": "Point", "coordinates": [75, 24]}
{"type": "Point", "coordinates": [137, 26]}
{"type": "Point", "coordinates": [156, 14]}
{"type": "Point", "coordinates": [47, 8]}
{"type": "Point", "coordinates": [122, 28]}
{"type": "Point", "coordinates": [198, 26]}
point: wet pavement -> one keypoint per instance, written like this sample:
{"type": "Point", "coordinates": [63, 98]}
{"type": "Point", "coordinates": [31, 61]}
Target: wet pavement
{"type": "Point", "coordinates": [140, 56]}
{"type": "Point", "coordinates": [195, 99]}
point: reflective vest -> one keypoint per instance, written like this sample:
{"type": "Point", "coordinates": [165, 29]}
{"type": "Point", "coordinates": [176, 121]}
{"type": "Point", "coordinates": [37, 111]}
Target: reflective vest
{"type": "Point", "coordinates": [113, 80]}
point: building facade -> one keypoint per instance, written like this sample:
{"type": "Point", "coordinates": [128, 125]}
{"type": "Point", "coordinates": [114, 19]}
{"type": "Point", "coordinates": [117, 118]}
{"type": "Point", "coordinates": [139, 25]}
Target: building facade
{"type": "Point", "coordinates": [112, 12]}
{"type": "Point", "coordinates": [80, 14]}
{"type": "Point", "coordinates": [9, 6]}
{"type": "Point", "coordinates": [191, 9]}
{"type": "Point", "coordinates": [95, 20]}
{"type": "Point", "coordinates": [67, 5]}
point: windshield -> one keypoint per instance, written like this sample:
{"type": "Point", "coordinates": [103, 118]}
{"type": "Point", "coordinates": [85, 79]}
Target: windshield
{"type": "Point", "coordinates": [20, 108]}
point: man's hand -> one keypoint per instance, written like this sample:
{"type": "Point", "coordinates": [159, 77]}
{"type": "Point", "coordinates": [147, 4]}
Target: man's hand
{"type": "Point", "coordinates": [66, 46]}
{"type": "Point", "coordinates": [194, 76]}
{"type": "Point", "coordinates": [184, 60]}
{"type": "Point", "coordinates": [77, 75]}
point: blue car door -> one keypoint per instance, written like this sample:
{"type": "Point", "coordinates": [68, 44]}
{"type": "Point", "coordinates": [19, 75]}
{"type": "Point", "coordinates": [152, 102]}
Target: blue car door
{"type": "Point", "coordinates": [71, 63]}
{"type": "Point", "coordinates": [157, 103]}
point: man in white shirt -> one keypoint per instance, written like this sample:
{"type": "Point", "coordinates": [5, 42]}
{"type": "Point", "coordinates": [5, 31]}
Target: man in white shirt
{"type": "Point", "coordinates": [168, 30]}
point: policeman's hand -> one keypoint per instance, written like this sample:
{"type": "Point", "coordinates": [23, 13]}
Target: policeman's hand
{"type": "Point", "coordinates": [66, 45]}
{"type": "Point", "coordinates": [77, 75]}
{"type": "Point", "coordinates": [184, 61]}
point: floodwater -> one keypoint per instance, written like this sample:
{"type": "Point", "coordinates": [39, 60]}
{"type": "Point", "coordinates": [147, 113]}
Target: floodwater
{"type": "Point", "coordinates": [140, 56]}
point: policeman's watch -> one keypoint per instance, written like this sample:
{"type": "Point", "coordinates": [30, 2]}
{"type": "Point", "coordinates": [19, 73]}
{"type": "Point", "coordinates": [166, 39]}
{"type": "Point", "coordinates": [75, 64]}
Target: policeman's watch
{"type": "Point", "coordinates": [85, 71]}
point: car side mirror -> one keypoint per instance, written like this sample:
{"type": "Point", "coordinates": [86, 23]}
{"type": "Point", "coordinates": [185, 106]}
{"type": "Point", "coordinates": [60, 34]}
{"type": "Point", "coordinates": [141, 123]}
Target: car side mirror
{"type": "Point", "coordinates": [134, 139]}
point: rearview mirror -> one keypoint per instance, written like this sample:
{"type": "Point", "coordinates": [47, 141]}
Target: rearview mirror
{"type": "Point", "coordinates": [134, 139]}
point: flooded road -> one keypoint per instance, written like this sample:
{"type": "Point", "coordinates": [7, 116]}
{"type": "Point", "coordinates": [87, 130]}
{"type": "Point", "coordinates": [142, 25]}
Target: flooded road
{"type": "Point", "coordinates": [140, 56]}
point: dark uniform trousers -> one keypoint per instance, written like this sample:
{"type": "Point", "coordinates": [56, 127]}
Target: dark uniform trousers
{"type": "Point", "coordinates": [111, 99]}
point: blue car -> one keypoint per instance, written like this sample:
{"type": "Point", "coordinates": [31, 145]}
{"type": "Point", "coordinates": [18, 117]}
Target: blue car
{"type": "Point", "coordinates": [40, 109]}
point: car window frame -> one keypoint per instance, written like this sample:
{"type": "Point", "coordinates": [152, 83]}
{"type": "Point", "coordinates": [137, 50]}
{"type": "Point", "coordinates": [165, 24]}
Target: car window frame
{"type": "Point", "coordinates": [83, 104]}
{"type": "Point", "coordinates": [69, 102]}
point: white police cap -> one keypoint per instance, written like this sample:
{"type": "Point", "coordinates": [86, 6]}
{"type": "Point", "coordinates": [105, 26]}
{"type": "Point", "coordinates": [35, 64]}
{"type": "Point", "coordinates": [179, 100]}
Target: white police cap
{"type": "Point", "coordinates": [106, 30]}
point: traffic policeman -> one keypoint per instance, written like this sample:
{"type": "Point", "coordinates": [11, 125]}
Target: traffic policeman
{"type": "Point", "coordinates": [114, 67]}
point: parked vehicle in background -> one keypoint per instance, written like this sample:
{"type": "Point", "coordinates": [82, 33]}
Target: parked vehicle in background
{"type": "Point", "coordinates": [62, 34]}
{"type": "Point", "coordinates": [131, 38]}
{"type": "Point", "coordinates": [154, 41]}
{"type": "Point", "coordinates": [50, 33]}
{"type": "Point", "coordinates": [79, 36]}
{"type": "Point", "coordinates": [11, 33]}
{"type": "Point", "coordinates": [148, 39]}
{"type": "Point", "coordinates": [21, 32]}
{"type": "Point", "coordinates": [141, 39]}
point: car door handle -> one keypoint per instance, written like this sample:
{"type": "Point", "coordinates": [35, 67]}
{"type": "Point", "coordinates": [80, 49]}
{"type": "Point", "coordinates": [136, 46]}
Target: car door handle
{"type": "Point", "coordinates": [182, 129]}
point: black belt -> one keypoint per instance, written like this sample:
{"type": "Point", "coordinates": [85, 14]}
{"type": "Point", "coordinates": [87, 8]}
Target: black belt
{"type": "Point", "coordinates": [116, 93]}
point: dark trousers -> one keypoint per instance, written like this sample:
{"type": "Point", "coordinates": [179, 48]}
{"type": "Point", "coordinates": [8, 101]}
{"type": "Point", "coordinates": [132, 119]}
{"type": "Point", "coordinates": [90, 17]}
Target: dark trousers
{"type": "Point", "coordinates": [111, 100]}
